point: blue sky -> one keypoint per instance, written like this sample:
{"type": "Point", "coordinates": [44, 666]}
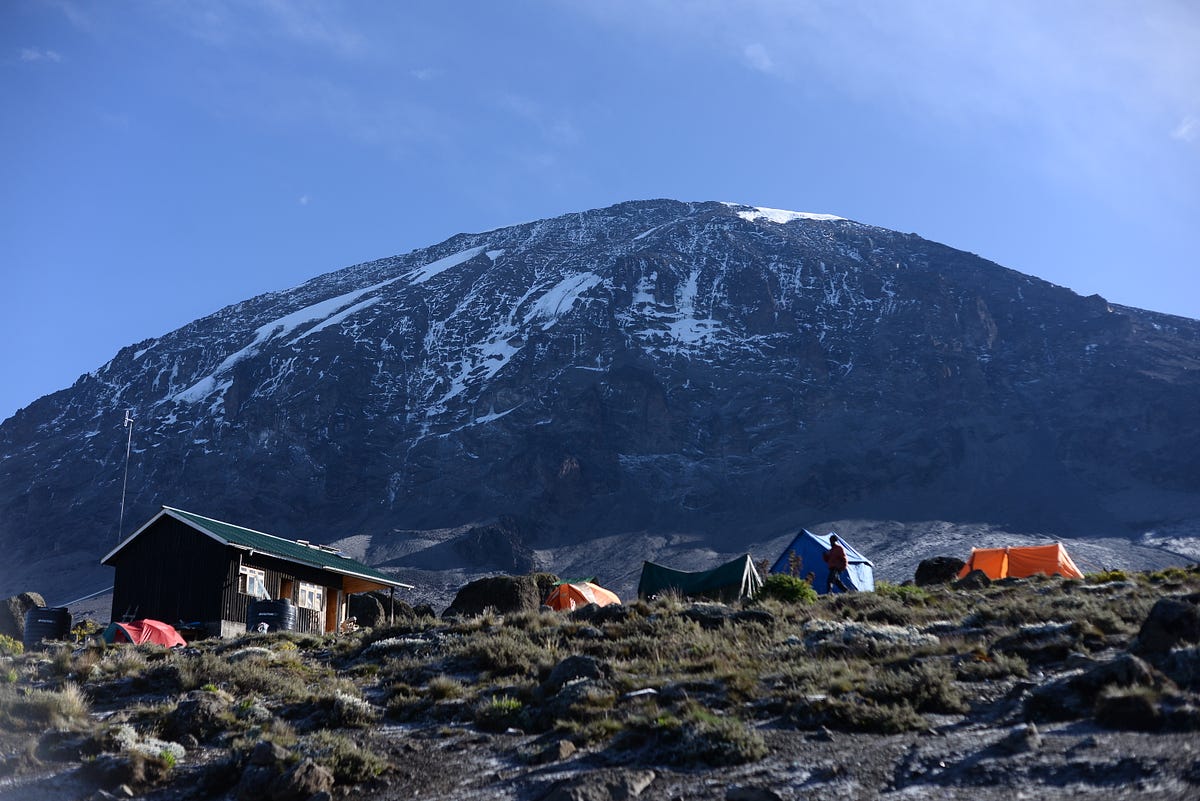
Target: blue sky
{"type": "Point", "coordinates": [165, 158]}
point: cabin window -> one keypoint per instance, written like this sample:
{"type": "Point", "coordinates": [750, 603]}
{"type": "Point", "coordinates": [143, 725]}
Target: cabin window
{"type": "Point", "coordinates": [311, 596]}
{"type": "Point", "coordinates": [252, 581]}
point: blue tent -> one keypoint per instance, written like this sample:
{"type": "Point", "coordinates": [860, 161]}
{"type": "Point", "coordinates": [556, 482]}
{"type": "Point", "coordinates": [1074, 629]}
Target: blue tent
{"type": "Point", "coordinates": [811, 547]}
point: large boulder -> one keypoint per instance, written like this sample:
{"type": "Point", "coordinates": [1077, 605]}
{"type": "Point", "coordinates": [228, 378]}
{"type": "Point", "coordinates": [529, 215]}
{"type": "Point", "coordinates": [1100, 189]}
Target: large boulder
{"type": "Point", "coordinates": [201, 713]}
{"type": "Point", "coordinates": [1042, 642]}
{"type": "Point", "coordinates": [938, 570]}
{"type": "Point", "coordinates": [503, 594]}
{"type": "Point", "coordinates": [1075, 696]}
{"type": "Point", "coordinates": [368, 609]}
{"type": "Point", "coordinates": [305, 779]}
{"type": "Point", "coordinates": [12, 613]}
{"type": "Point", "coordinates": [1182, 666]}
{"type": "Point", "coordinates": [975, 580]}
{"type": "Point", "coordinates": [1172, 622]}
{"type": "Point", "coordinates": [576, 666]}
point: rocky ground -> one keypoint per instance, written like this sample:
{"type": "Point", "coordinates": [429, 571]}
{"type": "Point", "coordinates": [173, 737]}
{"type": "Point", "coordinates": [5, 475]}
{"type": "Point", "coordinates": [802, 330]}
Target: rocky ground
{"type": "Point", "coordinates": [1038, 688]}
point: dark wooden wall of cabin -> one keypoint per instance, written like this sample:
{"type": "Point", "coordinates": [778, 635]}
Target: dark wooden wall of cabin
{"type": "Point", "coordinates": [172, 573]}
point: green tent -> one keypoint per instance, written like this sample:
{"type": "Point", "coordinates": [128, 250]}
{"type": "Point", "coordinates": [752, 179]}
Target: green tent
{"type": "Point", "coordinates": [728, 582]}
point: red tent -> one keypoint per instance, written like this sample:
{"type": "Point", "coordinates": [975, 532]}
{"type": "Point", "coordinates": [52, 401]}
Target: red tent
{"type": "Point", "coordinates": [143, 631]}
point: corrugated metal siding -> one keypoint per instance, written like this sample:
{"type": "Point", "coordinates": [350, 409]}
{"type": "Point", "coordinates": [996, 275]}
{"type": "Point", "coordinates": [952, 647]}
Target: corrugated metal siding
{"type": "Point", "coordinates": [310, 621]}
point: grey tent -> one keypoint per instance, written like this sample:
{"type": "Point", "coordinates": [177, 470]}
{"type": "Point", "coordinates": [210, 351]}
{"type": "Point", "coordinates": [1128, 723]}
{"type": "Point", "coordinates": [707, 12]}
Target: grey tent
{"type": "Point", "coordinates": [728, 582]}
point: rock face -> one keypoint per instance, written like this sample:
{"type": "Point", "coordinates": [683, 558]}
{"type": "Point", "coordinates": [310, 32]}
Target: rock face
{"type": "Point", "coordinates": [652, 367]}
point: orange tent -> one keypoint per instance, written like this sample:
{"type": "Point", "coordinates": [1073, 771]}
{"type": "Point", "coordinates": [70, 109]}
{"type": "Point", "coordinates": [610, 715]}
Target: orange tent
{"type": "Point", "coordinates": [1022, 561]}
{"type": "Point", "coordinates": [572, 595]}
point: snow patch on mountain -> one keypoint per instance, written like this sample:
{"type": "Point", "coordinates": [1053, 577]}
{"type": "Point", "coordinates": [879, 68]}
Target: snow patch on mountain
{"type": "Point", "coordinates": [561, 298]}
{"type": "Point", "coordinates": [337, 318]}
{"type": "Point", "coordinates": [423, 274]}
{"type": "Point", "coordinates": [781, 216]}
{"type": "Point", "coordinates": [330, 311]}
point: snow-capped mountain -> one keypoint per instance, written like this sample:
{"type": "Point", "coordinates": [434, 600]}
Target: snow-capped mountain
{"type": "Point", "coordinates": [656, 368]}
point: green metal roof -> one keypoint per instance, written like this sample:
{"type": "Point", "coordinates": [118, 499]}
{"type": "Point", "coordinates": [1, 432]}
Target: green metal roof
{"type": "Point", "coordinates": [292, 551]}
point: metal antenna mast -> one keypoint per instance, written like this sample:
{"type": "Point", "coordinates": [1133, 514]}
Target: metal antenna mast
{"type": "Point", "coordinates": [128, 445]}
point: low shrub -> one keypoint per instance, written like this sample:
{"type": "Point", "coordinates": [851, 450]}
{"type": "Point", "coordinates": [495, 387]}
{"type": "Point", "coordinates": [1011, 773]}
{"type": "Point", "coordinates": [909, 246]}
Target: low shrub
{"type": "Point", "coordinates": [1106, 576]}
{"type": "Point", "coordinates": [282, 675]}
{"type": "Point", "coordinates": [1168, 575]}
{"type": "Point", "coordinates": [982, 666]}
{"type": "Point", "coordinates": [788, 589]}
{"type": "Point", "coordinates": [498, 713]}
{"type": "Point", "coordinates": [508, 652]}
{"type": "Point", "coordinates": [346, 759]}
{"type": "Point", "coordinates": [909, 594]}
{"type": "Point", "coordinates": [877, 608]}
{"type": "Point", "coordinates": [856, 714]}
{"type": "Point", "coordinates": [37, 709]}
{"type": "Point", "coordinates": [344, 710]}
{"type": "Point", "coordinates": [692, 736]}
{"type": "Point", "coordinates": [10, 646]}
{"type": "Point", "coordinates": [926, 686]}
{"type": "Point", "coordinates": [443, 687]}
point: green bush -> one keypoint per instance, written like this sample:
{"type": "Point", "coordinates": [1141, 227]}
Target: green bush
{"type": "Point", "coordinates": [1168, 575]}
{"type": "Point", "coordinates": [788, 589]}
{"type": "Point", "coordinates": [498, 713]}
{"type": "Point", "coordinates": [10, 646]}
{"type": "Point", "coordinates": [910, 594]}
{"type": "Point", "coordinates": [1106, 576]}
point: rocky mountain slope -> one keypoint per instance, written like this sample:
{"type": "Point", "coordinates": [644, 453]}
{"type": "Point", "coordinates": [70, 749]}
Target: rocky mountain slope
{"type": "Point", "coordinates": [707, 374]}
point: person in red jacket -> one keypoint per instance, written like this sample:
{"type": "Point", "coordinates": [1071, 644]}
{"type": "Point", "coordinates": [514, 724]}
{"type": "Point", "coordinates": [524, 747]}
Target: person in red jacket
{"type": "Point", "coordinates": [835, 560]}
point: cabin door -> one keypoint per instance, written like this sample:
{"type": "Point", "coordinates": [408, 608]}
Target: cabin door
{"type": "Point", "coordinates": [333, 605]}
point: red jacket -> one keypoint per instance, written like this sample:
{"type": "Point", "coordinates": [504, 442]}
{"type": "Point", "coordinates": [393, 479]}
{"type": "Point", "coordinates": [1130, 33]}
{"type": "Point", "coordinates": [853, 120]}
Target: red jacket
{"type": "Point", "coordinates": [835, 557]}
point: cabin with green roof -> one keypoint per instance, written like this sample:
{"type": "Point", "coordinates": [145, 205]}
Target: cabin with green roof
{"type": "Point", "coordinates": [183, 568]}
